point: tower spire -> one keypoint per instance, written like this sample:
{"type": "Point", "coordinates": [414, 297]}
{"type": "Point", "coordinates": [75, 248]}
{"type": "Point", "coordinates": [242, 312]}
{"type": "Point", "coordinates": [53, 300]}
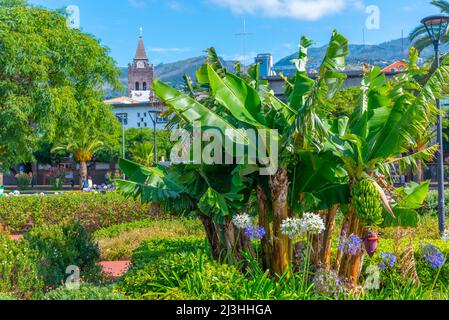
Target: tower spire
{"type": "Point", "coordinates": [141, 53]}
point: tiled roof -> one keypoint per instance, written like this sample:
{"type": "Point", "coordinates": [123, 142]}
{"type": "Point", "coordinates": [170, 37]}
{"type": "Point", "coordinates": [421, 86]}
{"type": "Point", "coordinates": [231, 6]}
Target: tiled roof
{"type": "Point", "coordinates": [396, 66]}
{"type": "Point", "coordinates": [122, 100]}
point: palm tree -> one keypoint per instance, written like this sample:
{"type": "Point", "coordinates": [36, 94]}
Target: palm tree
{"type": "Point", "coordinates": [143, 153]}
{"type": "Point", "coordinates": [419, 35]}
{"type": "Point", "coordinates": [82, 145]}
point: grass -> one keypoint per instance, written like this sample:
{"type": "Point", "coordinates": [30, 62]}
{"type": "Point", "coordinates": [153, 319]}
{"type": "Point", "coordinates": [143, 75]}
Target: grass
{"type": "Point", "coordinates": [426, 230]}
{"type": "Point", "coordinates": [118, 242]}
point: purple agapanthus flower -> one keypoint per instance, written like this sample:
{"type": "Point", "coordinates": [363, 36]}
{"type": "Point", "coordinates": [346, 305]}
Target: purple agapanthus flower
{"type": "Point", "coordinates": [350, 245]}
{"type": "Point", "coordinates": [431, 254]}
{"type": "Point", "coordinates": [388, 260]}
{"type": "Point", "coordinates": [253, 233]}
{"type": "Point", "coordinates": [327, 283]}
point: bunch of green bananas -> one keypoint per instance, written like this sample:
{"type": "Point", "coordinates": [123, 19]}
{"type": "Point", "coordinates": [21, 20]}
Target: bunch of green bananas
{"type": "Point", "coordinates": [366, 199]}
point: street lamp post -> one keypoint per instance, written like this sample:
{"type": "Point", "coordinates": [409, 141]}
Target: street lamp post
{"type": "Point", "coordinates": [154, 115]}
{"type": "Point", "coordinates": [437, 27]}
{"type": "Point", "coordinates": [122, 120]}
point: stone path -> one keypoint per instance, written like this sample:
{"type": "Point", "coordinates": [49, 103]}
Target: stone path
{"type": "Point", "coordinates": [115, 269]}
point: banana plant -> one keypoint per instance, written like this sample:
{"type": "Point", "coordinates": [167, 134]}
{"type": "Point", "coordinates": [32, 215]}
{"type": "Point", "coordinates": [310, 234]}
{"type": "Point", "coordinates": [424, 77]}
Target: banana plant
{"type": "Point", "coordinates": [320, 160]}
{"type": "Point", "coordinates": [381, 138]}
{"type": "Point", "coordinates": [233, 103]}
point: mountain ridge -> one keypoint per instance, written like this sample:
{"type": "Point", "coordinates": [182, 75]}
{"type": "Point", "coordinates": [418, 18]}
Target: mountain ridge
{"type": "Point", "coordinates": [382, 55]}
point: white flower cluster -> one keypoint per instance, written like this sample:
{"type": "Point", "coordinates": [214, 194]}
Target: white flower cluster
{"type": "Point", "coordinates": [291, 228]}
{"type": "Point", "coordinates": [312, 223]}
{"type": "Point", "coordinates": [309, 223]}
{"type": "Point", "coordinates": [242, 221]}
{"type": "Point", "coordinates": [446, 235]}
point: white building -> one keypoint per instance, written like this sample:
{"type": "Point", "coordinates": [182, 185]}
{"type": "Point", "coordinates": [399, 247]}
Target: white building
{"type": "Point", "coordinates": [141, 108]}
{"type": "Point", "coordinates": [137, 114]}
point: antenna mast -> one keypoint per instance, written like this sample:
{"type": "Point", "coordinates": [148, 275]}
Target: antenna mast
{"type": "Point", "coordinates": [244, 36]}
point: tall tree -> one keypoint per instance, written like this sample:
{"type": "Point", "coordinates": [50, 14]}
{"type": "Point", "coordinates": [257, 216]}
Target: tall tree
{"type": "Point", "coordinates": [47, 73]}
{"type": "Point", "coordinates": [91, 131]}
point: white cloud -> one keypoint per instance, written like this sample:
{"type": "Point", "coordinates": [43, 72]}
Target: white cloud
{"type": "Point", "coordinates": [294, 9]}
{"type": "Point", "coordinates": [248, 58]}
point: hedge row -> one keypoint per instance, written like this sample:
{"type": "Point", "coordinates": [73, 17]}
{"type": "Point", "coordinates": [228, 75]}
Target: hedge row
{"type": "Point", "coordinates": [95, 211]}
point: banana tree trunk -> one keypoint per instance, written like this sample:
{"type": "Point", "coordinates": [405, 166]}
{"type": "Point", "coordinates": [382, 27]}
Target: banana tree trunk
{"type": "Point", "coordinates": [266, 242]}
{"type": "Point", "coordinates": [344, 232]}
{"type": "Point", "coordinates": [279, 190]}
{"type": "Point", "coordinates": [419, 175]}
{"type": "Point", "coordinates": [328, 237]}
{"type": "Point", "coordinates": [83, 173]}
{"type": "Point", "coordinates": [230, 236]}
{"type": "Point", "coordinates": [212, 235]}
{"type": "Point", "coordinates": [351, 265]}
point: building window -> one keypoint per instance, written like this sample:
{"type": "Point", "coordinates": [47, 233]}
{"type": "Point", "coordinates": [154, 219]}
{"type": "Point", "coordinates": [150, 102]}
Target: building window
{"type": "Point", "coordinates": [138, 124]}
{"type": "Point", "coordinates": [145, 114]}
{"type": "Point", "coordinates": [145, 124]}
{"type": "Point", "coordinates": [137, 86]}
{"type": "Point", "coordinates": [138, 115]}
{"type": "Point", "coordinates": [161, 120]}
{"type": "Point", "coordinates": [122, 118]}
{"type": "Point", "coordinates": [144, 86]}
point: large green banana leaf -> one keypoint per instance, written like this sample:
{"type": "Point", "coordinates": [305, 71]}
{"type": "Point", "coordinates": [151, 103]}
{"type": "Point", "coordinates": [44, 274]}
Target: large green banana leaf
{"type": "Point", "coordinates": [238, 97]}
{"type": "Point", "coordinates": [411, 198]}
{"type": "Point", "coordinates": [192, 111]}
{"type": "Point", "coordinates": [321, 175]}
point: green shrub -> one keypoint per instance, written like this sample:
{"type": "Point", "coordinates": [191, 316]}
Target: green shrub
{"type": "Point", "coordinates": [152, 259]}
{"type": "Point", "coordinates": [85, 292]}
{"type": "Point", "coordinates": [96, 211]}
{"type": "Point", "coordinates": [62, 246]}
{"type": "Point", "coordinates": [24, 180]}
{"type": "Point", "coordinates": [19, 274]}
{"type": "Point", "coordinates": [431, 203]}
{"type": "Point", "coordinates": [184, 276]}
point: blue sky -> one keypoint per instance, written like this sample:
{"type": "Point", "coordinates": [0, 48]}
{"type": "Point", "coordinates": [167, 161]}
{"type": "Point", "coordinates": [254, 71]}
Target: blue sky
{"type": "Point", "coordinates": [179, 29]}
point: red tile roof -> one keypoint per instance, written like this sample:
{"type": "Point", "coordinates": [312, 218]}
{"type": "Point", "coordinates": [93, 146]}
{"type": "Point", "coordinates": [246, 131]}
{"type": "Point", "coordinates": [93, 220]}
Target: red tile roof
{"type": "Point", "coordinates": [396, 66]}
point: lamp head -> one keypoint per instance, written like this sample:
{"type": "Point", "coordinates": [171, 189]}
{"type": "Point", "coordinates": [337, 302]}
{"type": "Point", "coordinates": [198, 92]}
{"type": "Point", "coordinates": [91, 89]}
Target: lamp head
{"type": "Point", "coordinates": [436, 26]}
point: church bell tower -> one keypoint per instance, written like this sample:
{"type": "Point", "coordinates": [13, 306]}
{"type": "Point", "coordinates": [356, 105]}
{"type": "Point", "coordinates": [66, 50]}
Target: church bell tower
{"type": "Point", "coordinates": [140, 74]}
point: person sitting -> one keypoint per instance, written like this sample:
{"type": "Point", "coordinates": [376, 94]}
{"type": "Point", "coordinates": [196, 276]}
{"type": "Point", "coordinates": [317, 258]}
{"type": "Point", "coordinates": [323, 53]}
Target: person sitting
{"type": "Point", "coordinates": [90, 183]}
